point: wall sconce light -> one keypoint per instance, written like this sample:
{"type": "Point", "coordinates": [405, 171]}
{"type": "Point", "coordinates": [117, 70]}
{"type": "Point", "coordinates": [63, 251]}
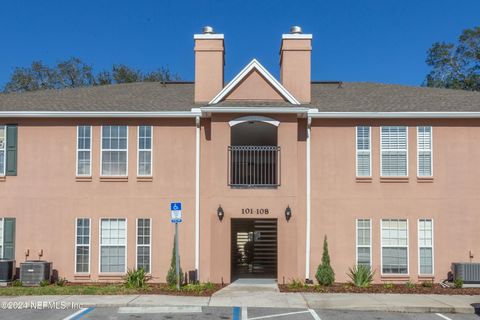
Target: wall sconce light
{"type": "Point", "coordinates": [220, 213]}
{"type": "Point", "coordinates": [288, 213]}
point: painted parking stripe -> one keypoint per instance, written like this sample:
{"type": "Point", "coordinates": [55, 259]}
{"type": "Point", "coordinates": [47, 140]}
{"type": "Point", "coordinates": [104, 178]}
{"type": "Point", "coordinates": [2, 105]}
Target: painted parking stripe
{"type": "Point", "coordinates": [185, 309]}
{"type": "Point", "coordinates": [279, 315]}
{"type": "Point", "coordinates": [236, 313]}
{"type": "Point", "coordinates": [314, 314]}
{"type": "Point", "coordinates": [442, 316]}
{"type": "Point", "coordinates": [79, 314]}
{"type": "Point", "coordinates": [244, 313]}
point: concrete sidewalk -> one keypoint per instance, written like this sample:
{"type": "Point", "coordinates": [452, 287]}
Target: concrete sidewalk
{"type": "Point", "coordinates": [273, 298]}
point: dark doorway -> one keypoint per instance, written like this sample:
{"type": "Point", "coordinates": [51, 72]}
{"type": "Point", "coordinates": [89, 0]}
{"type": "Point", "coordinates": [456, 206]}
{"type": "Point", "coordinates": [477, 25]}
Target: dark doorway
{"type": "Point", "coordinates": [254, 248]}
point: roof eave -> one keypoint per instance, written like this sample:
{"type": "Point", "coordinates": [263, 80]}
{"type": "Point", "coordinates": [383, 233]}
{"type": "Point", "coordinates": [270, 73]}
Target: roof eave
{"type": "Point", "coordinates": [386, 115]}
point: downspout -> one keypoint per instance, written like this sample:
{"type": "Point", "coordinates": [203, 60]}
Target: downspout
{"type": "Point", "coordinates": [197, 196]}
{"type": "Point", "coordinates": [307, 243]}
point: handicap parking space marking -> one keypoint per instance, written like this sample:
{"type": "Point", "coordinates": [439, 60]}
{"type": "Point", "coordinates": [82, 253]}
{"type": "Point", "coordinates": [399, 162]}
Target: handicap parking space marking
{"type": "Point", "coordinates": [79, 314]}
{"type": "Point", "coordinates": [314, 314]}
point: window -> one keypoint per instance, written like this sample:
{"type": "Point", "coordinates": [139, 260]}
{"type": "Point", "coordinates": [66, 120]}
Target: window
{"type": "Point", "coordinates": [424, 152]}
{"type": "Point", "coordinates": [113, 245]}
{"type": "Point", "coordinates": [363, 152]}
{"type": "Point", "coordinates": [1, 238]}
{"type": "Point", "coordinates": [144, 151]}
{"type": "Point", "coordinates": [84, 151]}
{"type": "Point", "coordinates": [425, 246]}
{"type": "Point", "coordinates": [364, 242]}
{"type": "Point", "coordinates": [3, 144]}
{"type": "Point", "coordinates": [394, 235]}
{"type": "Point", "coordinates": [394, 143]}
{"type": "Point", "coordinates": [82, 245]}
{"type": "Point", "coordinates": [114, 150]}
{"type": "Point", "coordinates": [143, 244]}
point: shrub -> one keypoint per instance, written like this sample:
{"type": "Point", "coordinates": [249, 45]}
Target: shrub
{"type": "Point", "coordinates": [44, 283]}
{"type": "Point", "coordinates": [198, 287]}
{"type": "Point", "coordinates": [361, 276]}
{"type": "Point", "coordinates": [388, 285]}
{"type": "Point", "coordinates": [172, 274]}
{"type": "Point", "coordinates": [427, 284]}
{"type": "Point", "coordinates": [296, 284]}
{"type": "Point", "coordinates": [458, 283]}
{"type": "Point", "coordinates": [17, 283]}
{"type": "Point", "coordinates": [61, 282]}
{"type": "Point", "coordinates": [325, 275]}
{"type": "Point", "coordinates": [137, 279]}
{"type": "Point", "coordinates": [410, 285]}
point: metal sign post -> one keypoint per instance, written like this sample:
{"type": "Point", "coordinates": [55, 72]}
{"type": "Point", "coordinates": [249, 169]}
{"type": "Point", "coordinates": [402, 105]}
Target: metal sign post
{"type": "Point", "coordinates": [176, 217]}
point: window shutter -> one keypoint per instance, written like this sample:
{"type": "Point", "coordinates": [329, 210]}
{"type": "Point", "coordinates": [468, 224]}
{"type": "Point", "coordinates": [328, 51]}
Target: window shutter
{"type": "Point", "coordinates": [11, 151]}
{"type": "Point", "coordinates": [9, 238]}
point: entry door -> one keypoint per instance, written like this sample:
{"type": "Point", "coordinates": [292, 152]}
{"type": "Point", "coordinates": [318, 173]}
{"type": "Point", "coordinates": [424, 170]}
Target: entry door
{"type": "Point", "coordinates": [254, 248]}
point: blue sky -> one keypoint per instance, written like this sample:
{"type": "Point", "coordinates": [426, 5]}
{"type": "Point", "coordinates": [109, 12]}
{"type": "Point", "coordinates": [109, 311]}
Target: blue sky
{"type": "Point", "coordinates": [368, 40]}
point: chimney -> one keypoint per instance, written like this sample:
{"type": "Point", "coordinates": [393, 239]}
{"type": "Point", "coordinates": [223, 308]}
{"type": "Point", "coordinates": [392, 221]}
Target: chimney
{"type": "Point", "coordinates": [209, 62]}
{"type": "Point", "coordinates": [295, 63]}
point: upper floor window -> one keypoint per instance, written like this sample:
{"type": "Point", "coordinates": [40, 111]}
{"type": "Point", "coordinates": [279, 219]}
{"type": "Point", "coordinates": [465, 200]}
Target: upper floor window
{"type": "Point", "coordinates": [394, 155]}
{"type": "Point", "coordinates": [424, 151]}
{"type": "Point", "coordinates": [144, 151]}
{"type": "Point", "coordinates": [364, 153]}
{"type": "Point", "coordinates": [3, 143]}
{"type": "Point", "coordinates": [84, 151]}
{"type": "Point", "coordinates": [114, 151]}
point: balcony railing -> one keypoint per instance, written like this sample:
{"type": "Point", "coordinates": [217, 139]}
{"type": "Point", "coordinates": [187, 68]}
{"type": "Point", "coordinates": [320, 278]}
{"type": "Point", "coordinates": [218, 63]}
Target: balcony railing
{"type": "Point", "coordinates": [254, 166]}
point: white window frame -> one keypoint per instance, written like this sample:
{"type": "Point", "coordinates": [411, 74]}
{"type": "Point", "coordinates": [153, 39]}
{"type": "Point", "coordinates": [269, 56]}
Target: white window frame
{"type": "Point", "coordinates": [138, 152]}
{"type": "Point", "coordinates": [381, 249]}
{"type": "Point", "coordinates": [78, 151]}
{"type": "Point", "coordinates": [381, 152]}
{"type": "Point", "coordinates": [143, 245]}
{"type": "Point", "coordinates": [4, 153]}
{"type": "Point", "coordinates": [83, 245]}
{"type": "Point", "coordinates": [101, 152]}
{"type": "Point", "coordinates": [432, 247]}
{"type": "Point", "coordinates": [363, 246]}
{"type": "Point", "coordinates": [100, 245]}
{"type": "Point", "coordinates": [369, 151]}
{"type": "Point", "coordinates": [430, 150]}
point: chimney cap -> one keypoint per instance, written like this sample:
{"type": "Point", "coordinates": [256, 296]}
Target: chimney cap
{"type": "Point", "coordinates": [208, 30]}
{"type": "Point", "coordinates": [295, 30]}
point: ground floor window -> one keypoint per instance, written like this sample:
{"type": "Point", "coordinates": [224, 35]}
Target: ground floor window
{"type": "Point", "coordinates": [394, 238]}
{"type": "Point", "coordinates": [425, 246]}
{"type": "Point", "coordinates": [113, 245]}
{"type": "Point", "coordinates": [1, 238]}
{"type": "Point", "coordinates": [82, 245]}
{"type": "Point", "coordinates": [364, 242]}
{"type": "Point", "coordinates": [143, 244]}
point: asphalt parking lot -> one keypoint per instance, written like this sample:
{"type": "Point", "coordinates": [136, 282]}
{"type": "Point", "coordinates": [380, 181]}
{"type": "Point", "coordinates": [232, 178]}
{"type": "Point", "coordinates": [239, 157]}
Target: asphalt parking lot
{"type": "Point", "coordinates": [223, 313]}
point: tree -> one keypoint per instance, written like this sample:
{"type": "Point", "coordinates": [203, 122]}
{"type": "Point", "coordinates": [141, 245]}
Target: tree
{"type": "Point", "coordinates": [325, 275]}
{"type": "Point", "coordinates": [124, 74]}
{"type": "Point", "coordinates": [456, 66]}
{"type": "Point", "coordinates": [36, 77]}
{"type": "Point", "coordinates": [75, 73]}
{"type": "Point", "coordinates": [172, 273]}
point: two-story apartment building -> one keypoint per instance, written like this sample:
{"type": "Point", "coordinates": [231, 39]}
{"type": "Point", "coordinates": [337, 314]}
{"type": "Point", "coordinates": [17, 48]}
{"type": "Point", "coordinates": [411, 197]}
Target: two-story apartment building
{"type": "Point", "coordinates": [264, 168]}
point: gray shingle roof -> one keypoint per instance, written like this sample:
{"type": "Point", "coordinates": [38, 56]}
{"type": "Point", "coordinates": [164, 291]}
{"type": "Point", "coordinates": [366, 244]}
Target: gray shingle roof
{"type": "Point", "coordinates": [137, 97]}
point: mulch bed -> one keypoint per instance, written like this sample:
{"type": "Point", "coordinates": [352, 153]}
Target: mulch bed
{"type": "Point", "coordinates": [380, 288]}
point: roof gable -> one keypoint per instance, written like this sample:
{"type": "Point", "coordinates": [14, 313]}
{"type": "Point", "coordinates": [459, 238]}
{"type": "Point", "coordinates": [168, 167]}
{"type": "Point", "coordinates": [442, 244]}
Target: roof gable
{"type": "Point", "coordinates": [254, 82]}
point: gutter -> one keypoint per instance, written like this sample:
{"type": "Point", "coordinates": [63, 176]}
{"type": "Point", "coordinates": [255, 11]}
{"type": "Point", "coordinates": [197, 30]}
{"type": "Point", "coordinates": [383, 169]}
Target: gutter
{"type": "Point", "coordinates": [195, 112]}
{"type": "Point", "coordinates": [392, 115]}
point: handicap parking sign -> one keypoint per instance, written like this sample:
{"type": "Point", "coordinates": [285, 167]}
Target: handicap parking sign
{"type": "Point", "coordinates": [176, 212]}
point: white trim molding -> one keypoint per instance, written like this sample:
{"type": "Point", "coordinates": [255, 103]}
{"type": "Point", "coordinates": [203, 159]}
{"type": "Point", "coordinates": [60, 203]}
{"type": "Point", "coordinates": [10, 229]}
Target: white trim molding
{"type": "Point", "coordinates": [100, 114]}
{"type": "Point", "coordinates": [403, 115]}
{"type": "Point", "coordinates": [268, 120]}
{"type": "Point", "coordinates": [209, 36]}
{"type": "Point", "coordinates": [254, 65]}
{"type": "Point", "coordinates": [308, 186]}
